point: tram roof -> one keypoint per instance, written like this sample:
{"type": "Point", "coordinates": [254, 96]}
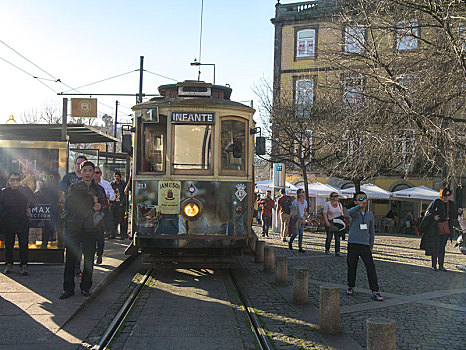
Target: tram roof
{"type": "Point", "coordinates": [189, 101]}
{"type": "Point", "coordinates": [77, 133]}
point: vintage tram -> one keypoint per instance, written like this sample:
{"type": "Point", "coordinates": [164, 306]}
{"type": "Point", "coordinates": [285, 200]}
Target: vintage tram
{"type": "Point", "coordinates": [193, 181]}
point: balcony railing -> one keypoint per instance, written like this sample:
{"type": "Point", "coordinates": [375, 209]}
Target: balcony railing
{"type": "Point", "coordinates": [309, 8]}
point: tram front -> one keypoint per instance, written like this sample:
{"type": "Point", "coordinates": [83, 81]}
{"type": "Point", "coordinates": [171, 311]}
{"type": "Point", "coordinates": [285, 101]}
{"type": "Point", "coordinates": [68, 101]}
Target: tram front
{"type": "Point", "coordinates": [193, 171]}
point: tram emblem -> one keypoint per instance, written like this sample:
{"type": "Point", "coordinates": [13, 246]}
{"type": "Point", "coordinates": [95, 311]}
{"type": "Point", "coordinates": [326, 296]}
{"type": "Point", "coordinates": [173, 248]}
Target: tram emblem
{"type": "Point", "coordinates": [241, 192]}
{"type": "Point", "coordinates": [169, 195]}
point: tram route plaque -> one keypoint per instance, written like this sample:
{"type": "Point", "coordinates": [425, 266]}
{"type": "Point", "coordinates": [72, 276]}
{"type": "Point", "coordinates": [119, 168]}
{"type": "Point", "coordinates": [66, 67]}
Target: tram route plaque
{"type": "Point", "coordinates": [169, 197]}
{"type": "Point", "coordinates": [193, 118]}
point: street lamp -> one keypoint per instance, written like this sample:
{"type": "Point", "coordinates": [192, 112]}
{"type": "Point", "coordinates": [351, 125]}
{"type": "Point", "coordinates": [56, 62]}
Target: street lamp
{"type": "Point", "coordinates": [196, 63]}
{"type": "Point", "coordinates": [11, 120]}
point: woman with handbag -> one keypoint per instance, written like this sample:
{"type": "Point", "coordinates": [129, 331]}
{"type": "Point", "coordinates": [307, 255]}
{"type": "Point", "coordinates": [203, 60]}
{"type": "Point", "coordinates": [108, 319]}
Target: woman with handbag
{"type": "Point", "coordinates": [437, 227]}
{"type": "Point", "coordinates": [332, 210]}
{"type": "Point", "coordinates": [298, 216]}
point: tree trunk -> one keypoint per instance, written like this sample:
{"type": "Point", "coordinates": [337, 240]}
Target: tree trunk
{"type": "Point", "coordinates": [306, 183]}
{"type": "Point", "coordinates": [357, 185]}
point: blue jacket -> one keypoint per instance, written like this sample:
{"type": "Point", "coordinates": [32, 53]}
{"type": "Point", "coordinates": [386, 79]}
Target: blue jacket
{"type": "Point", "coordinates": [356, 235]}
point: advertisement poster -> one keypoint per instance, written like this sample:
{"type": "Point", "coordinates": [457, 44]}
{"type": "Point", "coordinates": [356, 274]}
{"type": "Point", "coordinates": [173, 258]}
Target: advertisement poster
{"type": "Point", "coordinates": [169, 197]}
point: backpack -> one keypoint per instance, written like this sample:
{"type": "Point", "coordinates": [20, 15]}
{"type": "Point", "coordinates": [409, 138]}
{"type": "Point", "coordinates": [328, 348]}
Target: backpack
{"type": "Point", "coordinates": [287, 205]}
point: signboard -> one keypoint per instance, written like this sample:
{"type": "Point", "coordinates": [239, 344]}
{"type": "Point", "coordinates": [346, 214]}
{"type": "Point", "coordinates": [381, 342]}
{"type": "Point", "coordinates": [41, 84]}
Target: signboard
{"type": "Point", "coordinates": [84, 107]}
{"type": "Point", "coordinates": [193, 118]}
{"type": "Point", "coordinates": [169, 197]}
{"type": "Point", "coordinates": [149, 114]}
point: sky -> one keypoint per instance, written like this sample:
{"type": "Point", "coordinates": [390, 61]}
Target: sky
{"type": "Point", "coordinates": [81, 42]}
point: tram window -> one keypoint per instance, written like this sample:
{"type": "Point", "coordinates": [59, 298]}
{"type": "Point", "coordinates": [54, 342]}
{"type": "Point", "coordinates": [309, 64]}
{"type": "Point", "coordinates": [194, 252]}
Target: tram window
{"type": "Point", "coordinates": [192, 147]}
{"type": "Point", "coordinates": [233, 141]}
{"type": "Point", "coordinates": [153, 147]}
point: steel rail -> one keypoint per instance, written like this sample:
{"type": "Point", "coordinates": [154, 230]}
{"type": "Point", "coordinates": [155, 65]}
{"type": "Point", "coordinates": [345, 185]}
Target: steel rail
{"type": "Point", "coordinates": [253, 319]}
{"type": "Point", "coordinates": [120, 317]}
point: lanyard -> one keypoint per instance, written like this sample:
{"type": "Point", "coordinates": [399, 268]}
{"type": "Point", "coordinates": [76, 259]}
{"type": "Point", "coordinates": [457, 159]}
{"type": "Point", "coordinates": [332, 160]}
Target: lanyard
{"type": "Point", "coordinates": [362, 216]}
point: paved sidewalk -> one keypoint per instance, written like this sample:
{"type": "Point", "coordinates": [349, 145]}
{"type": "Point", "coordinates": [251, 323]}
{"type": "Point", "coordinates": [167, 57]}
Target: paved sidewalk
{"type": "Point", "coordinates": [429, 307]}
{"type": "Point", "coordinates": [30, 311]}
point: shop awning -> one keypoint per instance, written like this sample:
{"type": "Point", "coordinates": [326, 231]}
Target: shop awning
{"type": "Point", "coordinates": [77, 133]}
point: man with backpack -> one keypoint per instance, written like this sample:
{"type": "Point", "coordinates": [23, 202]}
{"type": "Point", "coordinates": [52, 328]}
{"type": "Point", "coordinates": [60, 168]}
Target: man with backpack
{"type": "Point", "coordinates": [284, 203]}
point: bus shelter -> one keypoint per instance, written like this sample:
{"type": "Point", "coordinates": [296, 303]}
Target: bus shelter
{"type": "Point", "coordinates": [40, 154]}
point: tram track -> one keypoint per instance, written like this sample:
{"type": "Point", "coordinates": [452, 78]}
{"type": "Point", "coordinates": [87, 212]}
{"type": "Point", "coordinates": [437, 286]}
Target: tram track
{"type": "Point", "coordinates": [118, 321]}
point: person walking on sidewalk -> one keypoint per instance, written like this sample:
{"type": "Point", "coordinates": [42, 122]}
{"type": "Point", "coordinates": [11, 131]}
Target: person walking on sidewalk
{"type": "Point", "coordinates": [298, 219]}
{"type": "Point", "coordinates": [332, 210]}
{"type": "Point", "coordinates": [360, 243]}
{"type": "Point", "coordinates": [109, 222]}
{"type": "Point", "coordinates": [83, 214]}
{"type": "Point", "coordinates": [284, 204]}
{"type": "Point", "coordinates": [118, 207]}
{"type": "Point", "coordinates": [267, 206]}
{"type": "Point", "coordinates": [17, 203]}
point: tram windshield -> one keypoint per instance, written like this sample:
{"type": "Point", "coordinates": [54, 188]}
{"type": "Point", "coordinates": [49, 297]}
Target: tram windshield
{"type": "Point", "coordinates": [233, 142]}
{"type": "Point", "coordinates": [192, 147]}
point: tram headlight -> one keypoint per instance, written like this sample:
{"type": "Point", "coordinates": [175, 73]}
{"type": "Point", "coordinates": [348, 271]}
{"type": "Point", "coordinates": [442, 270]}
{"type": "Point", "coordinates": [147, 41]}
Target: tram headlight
{"type": "Point", "coordinates": [191, 208]}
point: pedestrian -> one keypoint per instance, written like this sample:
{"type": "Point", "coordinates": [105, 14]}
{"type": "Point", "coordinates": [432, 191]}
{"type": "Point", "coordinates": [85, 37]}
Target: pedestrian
{"type": "Point", "coordinates": [267, 206]}
{"type": "Point", "coordinates": [119, 206]}
{"type": "Point", "coordinates": [408, 222]}
{"type": "Point", "coordinates": [259, 210]}
{"type": "Point", "coordinates": [298, 216]}
{"type": "Point", "coordinates": [67, 180]}
{"type": "Point", "coordinates": [437, 226]}
{"type": "Point", "coordinates": [18, 201]}
{"type": "Point", "coordinates": [332, 210]}
{"type": "Point", "coordinates": [83, 215]}
{"type": "Point", "coordinates": [360, 244]}
{"type": "Point", "coordinates": [106, 209]}
{"type": "Point", "coordinates": [284, 204]}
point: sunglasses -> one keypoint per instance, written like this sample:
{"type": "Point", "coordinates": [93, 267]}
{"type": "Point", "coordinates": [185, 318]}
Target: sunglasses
{"type": "Point", "coordinates": [447, 194]}
{"type": "Point", "coordinates": [14, 179]}
{"type": "Point", "coordinates": [334, 196]}
{"type": "Point", "coordinates": [362, 199]}
{"type": "Point", "coordinates": [98, 172]}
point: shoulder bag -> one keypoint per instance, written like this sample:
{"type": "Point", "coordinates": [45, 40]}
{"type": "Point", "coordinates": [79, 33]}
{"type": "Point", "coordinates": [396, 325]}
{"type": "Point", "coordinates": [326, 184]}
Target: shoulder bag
{"type": "Point", "coordinates": [444, 227]}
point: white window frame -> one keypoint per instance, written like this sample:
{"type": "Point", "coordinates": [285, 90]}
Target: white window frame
{"type": "Point", "coordinates": [353, 90]}
{"type": "Point", "coordinates": [304, 95]}
{"type": "Point", "coordinates": [355, 38]}
{"type": "Point", "coordinates": [407, 35]}
{"type": "Point", "coordinates": [407, 150]}
{"type": "Point", "coordinates": [308, 44]}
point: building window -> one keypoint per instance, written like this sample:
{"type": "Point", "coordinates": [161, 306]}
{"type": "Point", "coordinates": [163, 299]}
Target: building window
{"type": "Point", "coordinates": [353, 88]}
{"type": "Point", "coordinates": [303, 147]}
{"type": "Point", "coordinates": [304, 96]}
{"type": "Point", "coordinates": [306, 43]}
{"type": "Point", "coordinates": [404, 91]}
{"type": "Point", "coordinates": [404, 148]}
{"type": "Point", "coordinates": [354, 36]}
{"type": "Point", "coordinates": [407, 35]}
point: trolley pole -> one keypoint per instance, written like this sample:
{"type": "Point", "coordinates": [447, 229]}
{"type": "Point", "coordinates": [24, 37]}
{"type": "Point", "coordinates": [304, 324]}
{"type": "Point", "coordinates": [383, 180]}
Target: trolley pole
{"type": "Point", "coordinates": [141, 72]}
{"type": "Point", "coordinates": [116, 125]}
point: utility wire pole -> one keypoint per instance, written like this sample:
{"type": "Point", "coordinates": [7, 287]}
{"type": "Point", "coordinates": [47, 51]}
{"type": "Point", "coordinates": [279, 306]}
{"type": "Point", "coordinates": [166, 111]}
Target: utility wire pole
{"type": "Point", "coordinates": [116, 125]}
{"type": "Point", "coordinates": [141, 72]}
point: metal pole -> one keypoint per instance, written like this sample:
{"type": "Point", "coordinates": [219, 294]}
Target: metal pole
{"type": "Point", "coordinates": [64, 130]}
{"type": "Point", "coordinates": [214, 74]}
{"type": "Point", "coordinates": [141, 72]}
{"type": "Point", "coordinates": [116, 125]}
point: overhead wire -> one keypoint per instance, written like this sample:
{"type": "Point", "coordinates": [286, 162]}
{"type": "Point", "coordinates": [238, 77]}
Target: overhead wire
{"type": "Point", "coordinates": [102, 80]}
{"type": "Point", "coordinates": [160, 75]}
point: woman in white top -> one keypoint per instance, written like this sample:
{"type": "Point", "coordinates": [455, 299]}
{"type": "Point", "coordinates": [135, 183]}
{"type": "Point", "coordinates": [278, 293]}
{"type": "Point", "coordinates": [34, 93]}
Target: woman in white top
{"type": "Point", "coordinates": [332, 210]}
{"type": "Point", "coordinates": [298, 216]}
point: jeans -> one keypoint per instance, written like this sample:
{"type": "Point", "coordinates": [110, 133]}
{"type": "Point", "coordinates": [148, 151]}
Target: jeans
{"type": "Point", "coordinates": [355, 251]}
{"type": "Point", "coordinates": [440, 243]}
{"type": "Point", "coordinates": [328, 240]}
{"type": "Point", "coordinates": [100, 245]}
{"type": "Point", "coordinates": [267, 222]}
{"type": "Point", "coordinates": [23, 240]}
{"type": "Point", "coordinates": [297, 231]}
{"type": "Point", "coordinates": [72, 242]}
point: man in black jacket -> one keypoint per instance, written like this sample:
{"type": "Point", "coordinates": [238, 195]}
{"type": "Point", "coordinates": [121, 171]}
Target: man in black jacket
{"type": "Point", "coordinates": [83, 207]}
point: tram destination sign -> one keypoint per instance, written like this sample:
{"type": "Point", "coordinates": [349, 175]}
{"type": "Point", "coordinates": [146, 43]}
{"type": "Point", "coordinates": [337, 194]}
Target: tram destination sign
{"type": "Point", "coordinates": [193, 118]}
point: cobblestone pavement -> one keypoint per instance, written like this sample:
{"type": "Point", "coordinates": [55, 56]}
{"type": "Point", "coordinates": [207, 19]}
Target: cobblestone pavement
{"type": "Point", "coordinates": [429, 307]}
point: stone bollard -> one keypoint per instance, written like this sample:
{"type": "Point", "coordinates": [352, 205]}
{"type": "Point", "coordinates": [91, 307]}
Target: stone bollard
{"type": "Point", "coordinates": [300, 286]}
{"type": "Point", "coordinates": [252, 243]}
{"type": "Point", "coordinates": [381, 334]}
{"type": "Point", "coordinates": [269, 259]}
{"type": "Point", "coordinates": [281, 271]}
{"type": "Point", "coordinates": [260, 251]}
{"type": "Point", "coordinates": [329, 312]}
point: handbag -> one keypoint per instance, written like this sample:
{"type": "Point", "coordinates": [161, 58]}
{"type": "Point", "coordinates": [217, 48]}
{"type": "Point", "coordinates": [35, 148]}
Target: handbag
{"type": "Point", "coordinates": [443, 228]}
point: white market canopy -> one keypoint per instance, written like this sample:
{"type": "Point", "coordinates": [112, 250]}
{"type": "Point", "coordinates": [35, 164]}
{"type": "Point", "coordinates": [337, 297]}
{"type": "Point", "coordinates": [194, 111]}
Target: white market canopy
{"type": "Point", "coordinates": [267, 185]}
{"type": "Point", "coordinates": [420, 192]}
{"type": "Point", "coordinates": [372, 191]}
{"type": "Point", "coordinates": [317, 189]}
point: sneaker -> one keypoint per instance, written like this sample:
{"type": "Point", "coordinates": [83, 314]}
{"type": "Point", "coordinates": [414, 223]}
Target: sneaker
{"type": "Point", "coordinates": [337, 254]}
{"type": "Point", "coordinates": [86, 292]}
{"type": "Point", "coordinates": [442, 269]}
{"type": "Point", "coordinates": [377, 297]}
{"type": "Point", "coordinates": [8, 268]}
{"type": "Point", "coordinates": [99, 260]}
{"type": "Point", "coordinates": [263, 235]}
{"type": "Point", "coordinates": [284, 240]}
{"type": "Point", "coordinates": [434, 269]}
{"type": "Point", "coordinates": [327, 252]}
{"type": "Point", "coordinates": [350, 291]}
{"type": "Point", "coordinates": [78, 273]}
{"type": "Point", "coordinates": [24, 270]}
{"type": "Point", "coordinates": [301, 250]}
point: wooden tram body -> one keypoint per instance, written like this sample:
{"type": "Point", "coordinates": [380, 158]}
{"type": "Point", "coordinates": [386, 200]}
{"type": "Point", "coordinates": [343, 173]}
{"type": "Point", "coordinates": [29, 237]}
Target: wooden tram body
{"type": "Point", "coordinates": [193, 181]}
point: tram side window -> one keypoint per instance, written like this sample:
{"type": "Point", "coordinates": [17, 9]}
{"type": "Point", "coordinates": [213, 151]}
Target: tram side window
{"type": "Point", "coordinates": [153, 147]}
{"type": "Point", "coordinates": [192, 147]}
{"type": "Point", "coordinates": [233, 145]}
